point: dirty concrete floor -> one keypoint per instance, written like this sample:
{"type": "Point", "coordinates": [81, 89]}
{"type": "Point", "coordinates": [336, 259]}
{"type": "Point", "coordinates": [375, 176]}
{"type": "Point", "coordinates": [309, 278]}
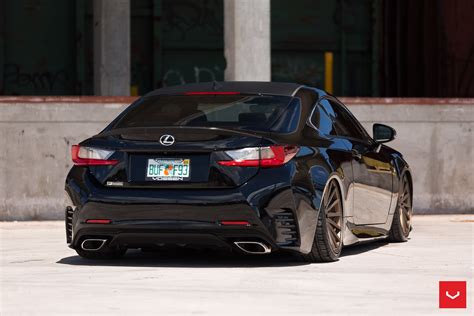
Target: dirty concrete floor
{"type": "Point", "coordinates": [39, 275]}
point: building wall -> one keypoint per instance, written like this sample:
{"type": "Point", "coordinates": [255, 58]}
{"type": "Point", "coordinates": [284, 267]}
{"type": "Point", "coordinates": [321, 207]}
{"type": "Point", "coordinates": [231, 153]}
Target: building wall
{"type": "Point", "coordinates": [37, 47]}
{"type": "Point", "coordinates": [46, 46]}
{"type": "Point", "coordinates": [435, 136]}
{"type": "Point", "coordinates": [391, 48]}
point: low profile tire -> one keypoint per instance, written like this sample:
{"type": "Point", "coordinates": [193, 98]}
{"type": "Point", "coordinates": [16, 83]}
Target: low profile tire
{"type": "Point", "coordinates": [401, 224]}
{"type": "Point", "coordinates": [104, 254]}
{"type": "Point", "coordinates": [327, 244]}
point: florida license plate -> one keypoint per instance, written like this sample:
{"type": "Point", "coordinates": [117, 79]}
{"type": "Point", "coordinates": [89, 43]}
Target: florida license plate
{"type": "Point", "coordinates": [168, 169]}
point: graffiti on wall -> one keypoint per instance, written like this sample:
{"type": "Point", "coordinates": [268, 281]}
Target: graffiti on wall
{"type": "Point", "coordinates": [184, 16]}
{"type": "Point", "coordinates": [200, 74]}
{"type": "Point", "coordinates": [16, 80]}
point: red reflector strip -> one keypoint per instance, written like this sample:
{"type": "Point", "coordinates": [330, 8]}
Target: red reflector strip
{"type": "Point", "coordinates": [212, 93]}
{"type": "Point", "coordinates": [243, 163]}
{"type": "Point", "coordinates": [235, 223]}
{"type": "Point", "coordinates": [98, 221]}
{"type": "Point", "coordinates": [94, 162]}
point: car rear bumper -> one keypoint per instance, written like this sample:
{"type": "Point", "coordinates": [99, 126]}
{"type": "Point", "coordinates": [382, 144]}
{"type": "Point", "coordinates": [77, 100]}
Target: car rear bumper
{"type": "Point", "coordinates": [276, 215]}
{"type": "Point", "coordinates": [137, 226]}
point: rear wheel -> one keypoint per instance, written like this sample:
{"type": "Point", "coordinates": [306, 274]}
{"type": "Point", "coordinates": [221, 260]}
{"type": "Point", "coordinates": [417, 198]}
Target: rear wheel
{"type": "Point", "coordinates": [401, 224]}
{"type": "Point", "coordinates": [327, 244]}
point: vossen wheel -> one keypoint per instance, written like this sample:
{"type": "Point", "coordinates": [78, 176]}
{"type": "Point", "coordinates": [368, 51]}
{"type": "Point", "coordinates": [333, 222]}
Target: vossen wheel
{"type": "Point", "coordinates": [327, 244]}
{"type": "Point", "coordinates": [401, 224]}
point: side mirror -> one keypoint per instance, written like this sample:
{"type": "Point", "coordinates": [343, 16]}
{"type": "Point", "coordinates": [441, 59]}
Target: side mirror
{"type": "Point", "coordinates": [383, 133]}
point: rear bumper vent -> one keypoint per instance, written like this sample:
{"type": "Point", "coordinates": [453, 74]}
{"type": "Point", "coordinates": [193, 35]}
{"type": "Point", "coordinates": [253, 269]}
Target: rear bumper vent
{"type": "Point", "coordinates": [287, 232]}
{"type": "Point", "coordinates": [69, 214]}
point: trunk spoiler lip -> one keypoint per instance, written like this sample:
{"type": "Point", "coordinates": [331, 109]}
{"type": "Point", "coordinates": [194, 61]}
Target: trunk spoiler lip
{"type": "Point", "coordinates": [170, 129]}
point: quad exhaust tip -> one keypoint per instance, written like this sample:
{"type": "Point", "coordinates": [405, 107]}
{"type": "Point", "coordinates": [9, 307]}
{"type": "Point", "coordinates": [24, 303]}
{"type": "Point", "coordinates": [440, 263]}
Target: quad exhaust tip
{"type": "Point", "coordinates": [253, 247]}
{"type": "Point", "coordinates": [93, 244]}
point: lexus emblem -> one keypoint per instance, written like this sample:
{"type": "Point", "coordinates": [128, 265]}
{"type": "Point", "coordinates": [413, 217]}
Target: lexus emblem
{"type": "Point", "coordinates": [166, 140]}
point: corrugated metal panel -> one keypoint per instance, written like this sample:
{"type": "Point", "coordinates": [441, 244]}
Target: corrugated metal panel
{"type": "Point", "coordinates": [303, 30]}
{"type": "Point", "coordinates": [39, 50]}
{"type": "Point", "coordinates": [428, 48]}
{"type": "Point", "coordinates": [184, 43]}
{"type": "Point", "coordinates": [459, 58]}
{"type": "Point", "coordinates": [176, 41]}
{"type": "Point", "coordinates": [49, 47]}
{"type": "Point", "coordinates": [425, 46]}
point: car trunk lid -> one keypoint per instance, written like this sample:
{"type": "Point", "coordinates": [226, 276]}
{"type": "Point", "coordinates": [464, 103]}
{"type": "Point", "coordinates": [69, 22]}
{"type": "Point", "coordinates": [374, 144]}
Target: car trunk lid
{"type": "Point", "coordinates": [191, 161]}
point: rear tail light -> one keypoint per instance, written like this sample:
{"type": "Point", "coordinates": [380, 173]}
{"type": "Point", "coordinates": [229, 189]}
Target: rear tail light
{"type": "Point", "coordinates": [235, 223]}
{"type": "Point", "coordinates": [212, 93]}
{"type": "Point", "coordinates": [98, 221]}
{"type": "Point", "coordinates": [272, 156]}
{"type": "Point", "coordinates": [88, 156]}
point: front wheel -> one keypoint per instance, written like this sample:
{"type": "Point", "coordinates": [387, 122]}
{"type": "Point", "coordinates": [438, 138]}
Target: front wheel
{"type": "Point", "coordinates": [401, 224]}
{"type": "Point", "coordinates": [327, 244]}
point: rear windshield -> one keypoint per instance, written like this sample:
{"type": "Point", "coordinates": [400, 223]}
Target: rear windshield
{"type": "Point", "coordinates": [248, 112]}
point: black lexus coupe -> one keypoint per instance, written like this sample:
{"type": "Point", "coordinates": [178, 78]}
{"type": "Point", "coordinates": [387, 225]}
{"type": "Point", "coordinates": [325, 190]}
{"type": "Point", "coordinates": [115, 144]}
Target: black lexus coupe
{"type": "Point", "coordinates": [256, 167]}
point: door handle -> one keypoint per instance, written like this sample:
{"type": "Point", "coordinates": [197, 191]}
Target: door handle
{"type": "Point", "coordinates": [356, 155]}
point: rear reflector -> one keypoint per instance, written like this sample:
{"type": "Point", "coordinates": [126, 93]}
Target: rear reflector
{"type": "Point", "coordinates": [98, 221]}
{"type": "Point", "coordinates": [212, 93]}
{"type": "Point", "coordinates": [235, 223]}
{"type": "Point", "coordinates": [88, 156]}
{"type": "Point", "coordinates": [266, 157]}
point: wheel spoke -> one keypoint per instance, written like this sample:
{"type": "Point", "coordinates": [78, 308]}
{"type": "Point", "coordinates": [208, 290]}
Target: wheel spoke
{"type": "Point", "coordinates": [404, 205]}
{"type": "Point", "coordinates": [330, 197]}
{"type": "Point", "coordinates": [334, 214]}
{"type": "Point", "coordinates": [331, 206]}
{"type": "Point", "coordinates": [407, 214]}
{"type": "Point", "coordinates": [325, 199]}
{"type": "Point", "coordinates": [335, 238]}
{"type": "Point", "coordinates": [330, 236]}
{"type": "Point", "coordinates": [405, 188]}
{"type": "Point", "coordinates": [333, 224]}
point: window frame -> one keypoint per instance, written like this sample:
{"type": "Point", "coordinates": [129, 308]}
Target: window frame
{"type": "Point", "coordinates": [365, 136]}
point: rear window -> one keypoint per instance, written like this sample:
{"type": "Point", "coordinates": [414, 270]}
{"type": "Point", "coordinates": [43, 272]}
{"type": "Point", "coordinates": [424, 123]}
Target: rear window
{"type": "Point", "coordinates": [248, 112]}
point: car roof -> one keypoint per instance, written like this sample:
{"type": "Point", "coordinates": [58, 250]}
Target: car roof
{"type": "Point", "coordinates": [244, 87]}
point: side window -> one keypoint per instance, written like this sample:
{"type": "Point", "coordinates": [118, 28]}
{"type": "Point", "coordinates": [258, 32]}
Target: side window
{"type": "Point", "coordinates": [344, 124]}
{"type": "Point", "coordinates": [322, 117]}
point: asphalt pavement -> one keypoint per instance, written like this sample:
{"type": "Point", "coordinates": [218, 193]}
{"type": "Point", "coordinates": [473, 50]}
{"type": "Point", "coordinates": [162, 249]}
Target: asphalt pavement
{"type": "Point", "coordinates": [39, 275]}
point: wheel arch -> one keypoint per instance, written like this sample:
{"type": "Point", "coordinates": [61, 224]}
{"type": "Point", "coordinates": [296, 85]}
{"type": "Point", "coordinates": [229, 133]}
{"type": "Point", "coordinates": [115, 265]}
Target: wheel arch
{"type": "Point", "coordinates": [340, 185]}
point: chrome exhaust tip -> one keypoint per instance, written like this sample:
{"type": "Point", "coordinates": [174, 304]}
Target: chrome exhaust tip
{"type": "Point", "coordinates": [93, 244]}
{"type": "Point", "coordinates": [253, 247]}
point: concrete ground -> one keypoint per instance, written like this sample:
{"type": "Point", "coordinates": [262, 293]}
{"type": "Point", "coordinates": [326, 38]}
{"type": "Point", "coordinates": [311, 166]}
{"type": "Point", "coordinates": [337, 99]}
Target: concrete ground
{"type": "Point", "coordinates": [40, 275]}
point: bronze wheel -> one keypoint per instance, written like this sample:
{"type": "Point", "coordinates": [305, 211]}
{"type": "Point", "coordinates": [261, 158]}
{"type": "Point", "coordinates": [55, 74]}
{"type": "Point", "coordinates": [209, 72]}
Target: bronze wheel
{"type": "Point", "coordinates": [327, 244]}
{"type": "Point", "coordinates": [401, 225]}
{"type": "Point", "coordinates": [405, 207]}
{"type": "Point", "coordinates": [333, 211]}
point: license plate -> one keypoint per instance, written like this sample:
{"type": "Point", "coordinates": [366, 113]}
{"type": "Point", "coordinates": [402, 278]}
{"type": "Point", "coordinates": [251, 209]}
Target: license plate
{"type": "Point", "coordinates": [168, 169]}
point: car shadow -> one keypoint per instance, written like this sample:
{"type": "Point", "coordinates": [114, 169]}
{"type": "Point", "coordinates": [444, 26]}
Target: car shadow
{"type": "Point", "coordinates": [364, 246]}
{"type": "Point", "coordinates": [191, 258]}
